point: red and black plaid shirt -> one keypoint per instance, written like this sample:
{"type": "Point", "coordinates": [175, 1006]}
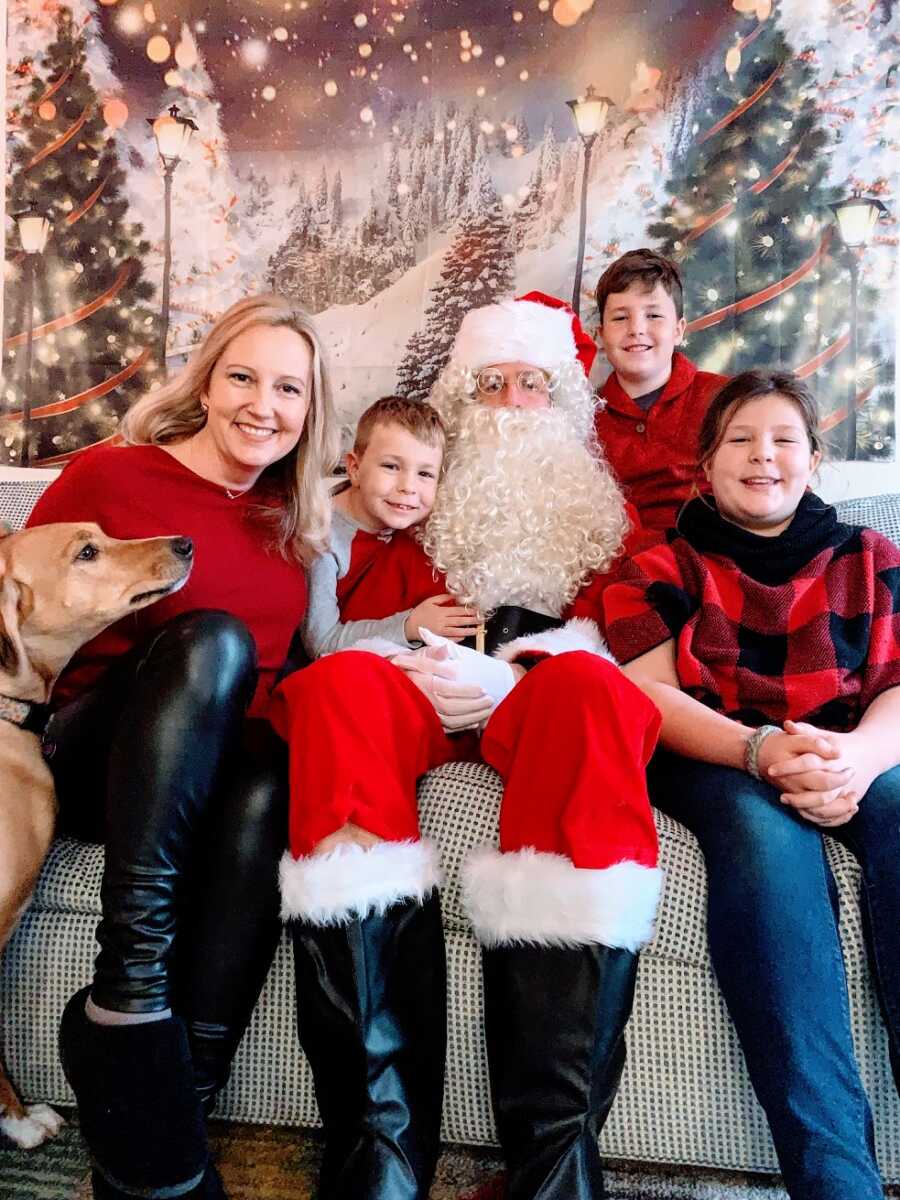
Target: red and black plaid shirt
{"type": "Point", "coordinates": [818, 647]}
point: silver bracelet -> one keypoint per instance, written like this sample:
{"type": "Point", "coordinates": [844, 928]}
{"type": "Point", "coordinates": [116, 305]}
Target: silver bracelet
{"type": "Point", "coordinates": [752, 745]}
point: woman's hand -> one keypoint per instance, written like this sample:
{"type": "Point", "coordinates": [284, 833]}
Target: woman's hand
{"type": "Point", "coordinates": [825, 785]}
{"type": "Point", "coordinates": [453, 621]}
{"type": "Point", "coordinates": [850, 755]}
{"type": "Point", "coordinates": [458, 705]}
{"type": "Point", "coordinates": [803, 759]}
{"type": "Point", "coordinates": [826, 809]}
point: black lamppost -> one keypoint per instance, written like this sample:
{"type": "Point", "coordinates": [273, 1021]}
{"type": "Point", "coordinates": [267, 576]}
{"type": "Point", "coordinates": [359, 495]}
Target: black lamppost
{"type": "Point", "coordinates": [590, 112]}
{"type": "Point", "coordinates": [856, 218]}
{"type": "Point", "coordinates": [172, 132]}
{"type": "Point", "coordinates": [34, 229]}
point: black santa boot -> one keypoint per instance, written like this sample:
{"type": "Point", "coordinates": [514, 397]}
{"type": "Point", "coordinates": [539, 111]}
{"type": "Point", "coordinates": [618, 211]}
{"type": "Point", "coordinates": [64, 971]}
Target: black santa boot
{"type": "Point", "coordinates": [557, 1000]}
{"type": "Point", "coordinates": [371, 1005]}
{"type": "Point", "coordinates": [554, 1021]}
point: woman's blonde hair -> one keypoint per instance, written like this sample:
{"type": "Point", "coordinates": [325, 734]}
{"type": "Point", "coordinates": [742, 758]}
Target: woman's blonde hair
{"type": "Point", "coordinates": [173, 413]}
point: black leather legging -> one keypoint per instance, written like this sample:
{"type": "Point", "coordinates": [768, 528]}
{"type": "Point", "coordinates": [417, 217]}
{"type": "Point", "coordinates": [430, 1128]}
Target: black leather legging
{"type": "Point", "coordinates": [159, 762]}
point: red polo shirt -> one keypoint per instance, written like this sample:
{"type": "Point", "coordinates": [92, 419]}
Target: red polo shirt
{"type": "Point", "coordinates": [654, 453]}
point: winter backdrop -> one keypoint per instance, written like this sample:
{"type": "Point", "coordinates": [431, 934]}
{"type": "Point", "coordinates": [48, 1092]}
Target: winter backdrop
{"type": "Point", "coordinates": [393, 163]}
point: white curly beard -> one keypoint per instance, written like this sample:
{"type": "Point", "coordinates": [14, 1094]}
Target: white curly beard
{"type": "Point", "coordinates": [525, 513]}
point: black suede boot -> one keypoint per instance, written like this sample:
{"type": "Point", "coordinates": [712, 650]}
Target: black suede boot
{"type": "Point", "coordinates": [555, 1020]}
{"type": "Point", "coordinates": [371, 1000]}
{"type": "Point", "coordinates": [209, 1188]}
{"type": "Point", "coordinates": [136, 1106]}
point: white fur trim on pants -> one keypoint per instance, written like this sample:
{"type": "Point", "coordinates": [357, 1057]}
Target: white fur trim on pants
{"type": "Point", "coordinates": [577, 634]}
{"type": "Point", "coordinates": [354, 881]}
{"type": "Point", "coordinates": [527, 896]}
{"type": "Point", "coordinates": [381, 646]}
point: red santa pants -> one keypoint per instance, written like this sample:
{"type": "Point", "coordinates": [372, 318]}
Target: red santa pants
{"type": "Point", "coordinates": [571, 742]}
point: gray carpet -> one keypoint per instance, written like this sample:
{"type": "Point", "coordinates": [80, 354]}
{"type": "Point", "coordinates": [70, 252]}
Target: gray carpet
{"type": "Point", "coordinates": [265, 1163]}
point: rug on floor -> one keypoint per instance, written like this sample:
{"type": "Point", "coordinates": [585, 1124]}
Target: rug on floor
{"type": "Point", "coordinates": [268, 1163]}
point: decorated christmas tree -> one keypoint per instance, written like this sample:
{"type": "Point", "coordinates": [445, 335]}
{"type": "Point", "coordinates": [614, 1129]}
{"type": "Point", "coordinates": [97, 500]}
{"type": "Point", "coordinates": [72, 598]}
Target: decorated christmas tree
{"type": "Point", "coordinates": [854, 51]}
{"type": "Point", "coordinates": [93, 330]}
{"type": "Point", "coordinates": [477, 269]}
{"type": "Point", "coordinates": [748, 220]}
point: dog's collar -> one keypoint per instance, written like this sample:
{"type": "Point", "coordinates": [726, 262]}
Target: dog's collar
{"type": "Point", "coordinates": [27, 714]}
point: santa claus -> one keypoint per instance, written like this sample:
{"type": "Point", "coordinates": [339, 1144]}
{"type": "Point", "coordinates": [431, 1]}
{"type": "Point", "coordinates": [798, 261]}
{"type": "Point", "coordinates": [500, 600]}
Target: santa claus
{"type": "Point", "coordinates": [527, 513]}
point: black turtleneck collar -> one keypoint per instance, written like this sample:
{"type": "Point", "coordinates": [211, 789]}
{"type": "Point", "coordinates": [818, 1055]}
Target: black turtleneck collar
{"type": "Point", "coordinates": [768, 560]}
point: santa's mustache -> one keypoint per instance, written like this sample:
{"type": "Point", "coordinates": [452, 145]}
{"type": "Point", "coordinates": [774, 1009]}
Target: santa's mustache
{"type": "Point", "coordinates": [485, 425]}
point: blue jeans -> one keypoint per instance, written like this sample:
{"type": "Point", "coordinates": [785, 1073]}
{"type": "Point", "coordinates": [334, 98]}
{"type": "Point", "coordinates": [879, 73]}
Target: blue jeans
{"type": "Point", "coordinates": [773, 937]}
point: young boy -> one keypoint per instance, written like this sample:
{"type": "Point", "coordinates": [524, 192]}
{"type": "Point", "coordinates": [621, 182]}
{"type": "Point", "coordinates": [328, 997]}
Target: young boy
{"type": "Point", "coordinates": [393, 471]}
{"type": "Point", "coordinates": [655, 396]}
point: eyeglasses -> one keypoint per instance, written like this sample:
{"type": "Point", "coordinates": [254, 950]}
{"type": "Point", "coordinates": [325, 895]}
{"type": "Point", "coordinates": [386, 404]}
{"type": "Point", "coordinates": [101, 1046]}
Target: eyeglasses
{"type": "Point", "coordinates": [491, 381]}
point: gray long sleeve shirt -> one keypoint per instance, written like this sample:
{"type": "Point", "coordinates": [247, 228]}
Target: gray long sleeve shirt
{"type": "Point", "coordinates": [323, 630]}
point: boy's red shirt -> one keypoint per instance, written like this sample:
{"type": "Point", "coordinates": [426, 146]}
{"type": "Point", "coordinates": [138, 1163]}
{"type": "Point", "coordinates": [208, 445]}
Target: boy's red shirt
{"type": "Point", "coordinates": [399, 576]}
{"type": "Point", "coordinates": [653, 453]}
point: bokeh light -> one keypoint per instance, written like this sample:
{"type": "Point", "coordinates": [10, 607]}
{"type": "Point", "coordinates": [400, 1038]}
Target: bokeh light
{"type": "Point", "coordinates": [115, 113]}
{"type": "Point", "coordinates": [158, 48]}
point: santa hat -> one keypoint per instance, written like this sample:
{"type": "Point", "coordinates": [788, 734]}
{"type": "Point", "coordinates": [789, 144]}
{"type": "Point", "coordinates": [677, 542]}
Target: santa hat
{"type": "Point", "coordinates": [535, 329]}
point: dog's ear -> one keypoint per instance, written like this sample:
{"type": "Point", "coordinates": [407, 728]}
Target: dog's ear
{"type": "Point", "coordinates": [11, 649]}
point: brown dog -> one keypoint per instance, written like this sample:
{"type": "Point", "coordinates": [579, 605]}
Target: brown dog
{"type": "Point", "coordinates": [60, 585]}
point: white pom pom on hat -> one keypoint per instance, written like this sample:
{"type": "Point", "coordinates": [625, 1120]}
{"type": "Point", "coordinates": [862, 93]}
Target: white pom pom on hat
{"type": "Point", "coordinates": [515, 331]}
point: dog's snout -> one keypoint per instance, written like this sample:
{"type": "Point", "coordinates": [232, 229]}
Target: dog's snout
{"type": "Point", "coordinates": [183, 547]}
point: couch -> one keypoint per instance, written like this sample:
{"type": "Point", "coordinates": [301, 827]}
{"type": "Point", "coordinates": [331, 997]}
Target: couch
{"type": "Point", "coordinates": [685, 1097]}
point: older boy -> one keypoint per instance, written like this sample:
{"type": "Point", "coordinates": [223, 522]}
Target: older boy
{"type": "Point", "coordinates": [655, 396]}
{"type": "Point", "coordinates": [393, 471]}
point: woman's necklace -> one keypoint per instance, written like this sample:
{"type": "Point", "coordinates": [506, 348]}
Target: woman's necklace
{"type": "Point", "coordinates": [184, 452]}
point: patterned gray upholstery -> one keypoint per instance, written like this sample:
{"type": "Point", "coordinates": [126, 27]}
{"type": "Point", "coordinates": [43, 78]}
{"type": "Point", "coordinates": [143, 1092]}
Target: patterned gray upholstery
{"type": "Point", "coordinates": [685, 1096]}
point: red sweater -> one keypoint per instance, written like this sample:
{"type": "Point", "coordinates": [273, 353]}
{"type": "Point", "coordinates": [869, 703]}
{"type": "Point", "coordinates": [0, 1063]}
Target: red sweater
{"type": "Point", "coordinates": [142, 491]}
{"type": "Point", "coordinates": [653, 454]}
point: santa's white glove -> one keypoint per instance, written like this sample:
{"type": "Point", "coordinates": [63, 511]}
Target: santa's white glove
{"type": "Point", "coordinates": [458, 705]}
{"type": "Point", "coordinates": [495, 677]}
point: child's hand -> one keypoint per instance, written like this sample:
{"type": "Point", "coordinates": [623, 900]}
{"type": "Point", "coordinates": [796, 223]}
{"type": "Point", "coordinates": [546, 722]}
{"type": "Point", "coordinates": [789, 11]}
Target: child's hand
{"type": "Point", "coordinates": [451, 621]}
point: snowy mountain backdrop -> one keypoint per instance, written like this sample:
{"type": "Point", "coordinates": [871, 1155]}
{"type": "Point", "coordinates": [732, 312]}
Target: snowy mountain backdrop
{"type": "Point", "coordinates": [393, 164]}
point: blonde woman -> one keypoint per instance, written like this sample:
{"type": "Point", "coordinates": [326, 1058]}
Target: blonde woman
{"type": "Point", "coordinates": [160, 721]}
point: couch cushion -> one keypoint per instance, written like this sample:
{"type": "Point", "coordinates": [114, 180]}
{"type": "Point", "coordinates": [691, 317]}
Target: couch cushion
{"type": "Point", "coordinates": [879, 512]}
{"type": "Point", "coordinates": [18, 498]}
{"type": "Point", "coordinates": [459, 806]}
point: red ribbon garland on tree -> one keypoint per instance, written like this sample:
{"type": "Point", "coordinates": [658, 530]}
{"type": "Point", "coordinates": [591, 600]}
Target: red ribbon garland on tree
{"type": "Point", "coordinates": [93, 393]}
{"type": "Point", "coordinates": [835, 418]}
{"type": "Point", "coordinates": [58, 144]}
{"type": "Point", "coordinates": [744, 105]}
{"type": "Point", "coordinates": [812, 365]}
{"type": "Point", "coordinates": [87, 205]}
{"type": "Point", "coordinates": [60, 460]}
{"type": "Point", "coordinates": [53, 88]}
{"type": "Point", "coordinates": [727, 209]}
{"type": "Point", "coordinates": [762, 297]}
{"type": "Point", "coordinates": [79, 314]}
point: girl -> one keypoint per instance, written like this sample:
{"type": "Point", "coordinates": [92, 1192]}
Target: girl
{"type": "Point", "coordinates": [768, 635]}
